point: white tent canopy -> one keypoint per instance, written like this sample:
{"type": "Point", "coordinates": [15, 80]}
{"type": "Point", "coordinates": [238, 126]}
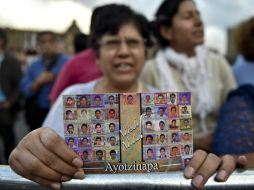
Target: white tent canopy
{"type": "Point", "coordinates": [44, 15]}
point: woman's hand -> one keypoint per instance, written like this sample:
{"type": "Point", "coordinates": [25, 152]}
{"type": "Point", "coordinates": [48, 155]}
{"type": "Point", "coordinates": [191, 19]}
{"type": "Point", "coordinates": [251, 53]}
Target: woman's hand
{"type": "Point", "coordinates": [43, 156]}
{"type": "Point", "coordinates": [203, 166]}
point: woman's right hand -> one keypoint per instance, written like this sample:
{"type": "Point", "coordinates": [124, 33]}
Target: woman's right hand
{"type": "Point", "coordinates": [43, 157]}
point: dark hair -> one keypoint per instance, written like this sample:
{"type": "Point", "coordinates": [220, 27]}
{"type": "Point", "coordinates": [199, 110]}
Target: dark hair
{"type": "Point", "coordinates": [98, 138]}
{"type": "Point", "coordinates": [80, 42]}
{"type": "Point", "coordinates": [43, 33]}
{"type": "Point", "coordinates": [112, 151]}
{"type": "Point", "coordinates": [149, 136]}
{"type": "Point", "coordinates": [99, 151]}
{"type": "Point", "coordinates": [162, 135]}
{"type": "Point", "coordinates": [162, 148]}
{"type": "Point", "coordinates": [161, 122]}
{"type": "Point", "coordinates": [149, 122]}
{"type": "Point", "coordinates": [70, 125]}
{"type": "Point", "coordinates": [244, 39]}
{"type": "Point", "coordinates": [164, 17]}
{"type": "Point", "coordinates": [111, 17]}
{"type": "Point", "coordinates": [84, 125]}
{"type": "Point", "coordinates": [85, 151]}
{"type": "Point", "coordinates": [68, 111]}
{"type": "Point", "coordinates": [3, 38]}
{"type": "Point", "coordinates": [71, 138]}
{"type": "Point", "coordinates": [148, 109]}
{"type": "Point", "coordinates": [149, 149]}
{"type": "Point", "coordinates": [69, 98]}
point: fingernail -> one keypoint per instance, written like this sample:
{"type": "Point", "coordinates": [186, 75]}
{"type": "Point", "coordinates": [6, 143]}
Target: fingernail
{"type": "Point", "coordinates": [65, 178]}
{"type": "Point", "coordinates": [56, 185]}
{"type": "Point", "coordinates": [189, 172]}
{"type": "Point", "coordinates": [77, 162]}
{"type": "Point", "coordinates": [222, 175]}
{"type": "Point", "coordinates": [197, 181]}
{"type": "Point", "coordinates": [79, 175]}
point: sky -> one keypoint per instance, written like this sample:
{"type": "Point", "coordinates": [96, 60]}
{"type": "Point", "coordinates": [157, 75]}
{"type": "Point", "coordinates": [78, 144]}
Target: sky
{"type": "Point", "coordinates": [57, 15]}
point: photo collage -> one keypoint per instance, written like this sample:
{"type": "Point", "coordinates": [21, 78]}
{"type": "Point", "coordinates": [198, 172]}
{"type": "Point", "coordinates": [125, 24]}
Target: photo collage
{"type": "Point", "coordinates": [167, 127]}
{"type": "Point", "coordinates": [91, 126]}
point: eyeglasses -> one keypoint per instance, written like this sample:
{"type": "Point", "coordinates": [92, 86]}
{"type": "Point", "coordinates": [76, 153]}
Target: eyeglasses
{"type": "Point", "coordinates": [115, 43]}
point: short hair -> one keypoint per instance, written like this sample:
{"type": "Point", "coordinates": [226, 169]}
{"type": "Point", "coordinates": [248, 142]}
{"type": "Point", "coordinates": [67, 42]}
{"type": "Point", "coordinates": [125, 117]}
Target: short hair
{"type": "Point", "coordinates": [69, 98]}
{"type": "Point", "coordinates": [98, 138]}
{"type": "Point", "coordinates": [112, 110]}
{"type": "Point", "coordinates": [85, 151]}
{"type": "Point", "coordinates": [97, 111]}
{"type": "Point", "coordinates": [148, 109]}
{"type": "Point", "coordinates": [111, 96]}
{"type": "Point", "coordinates": [81, 97]}
{"type": "Point", "coordinates": [149, 136]}
{"type": "Point", "coordinates": [161, 122]}
{"type": "Point", "coordinates": [44, 33]}
{"type": "Point", "coordinates": [3, 37]}
{"type": "Point", "coordinates": [162, 148]}
{"type": "Point", "coordinates": [97, 124]}
{"type": "Point", "coordinates": [112, 137]}
{"type": "Point", "coordinates": [71, 138]}
{"type": "Point", "coordinates": [149, 122]}
{"type": "Point", "coordinates": [68, 111]}
{"type": "Point", "coordinates": [185, 146]}
{"type": "Point", "coordinates": [172, 94]}
{"type": "Point", "coordinates": [162, 135]}
{"type": "Point", "coordinates": [84, 125]}
{"type": "Point", "coordinates": [70, 125]}
{"type": "Point", "coordinates": [97, 96]}
{"type": "Point", "coordinates": [149, 149]}
{"type": "Point", "coordinates": [112, 151]}
{"type": "Point", "coordinates": [99, 151]}
{"type": "Point", "coordinates": [117, 15]}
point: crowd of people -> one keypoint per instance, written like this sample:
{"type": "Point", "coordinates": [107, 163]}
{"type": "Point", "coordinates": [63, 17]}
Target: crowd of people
{"type": "Point", "coordinates": [116, 61]}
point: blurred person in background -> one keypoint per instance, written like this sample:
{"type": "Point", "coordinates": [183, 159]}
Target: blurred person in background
{"type": "Point", "coordinates": [183, 63]}
{"type": "Point", "coordinates": [10, 75]}
{"type": "Point", "coordinates": [244, 40]}
{"type": "Point", "coordinates": [81, 68]}
{"type": "Point", "coordinates": [120, 43]}
{"type": "Point", "coordinates": [39, 78]}
{"type": "Point", "coordinates": [80, 42]}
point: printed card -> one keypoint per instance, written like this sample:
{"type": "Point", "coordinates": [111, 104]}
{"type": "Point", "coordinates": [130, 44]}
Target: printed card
{"type": "Point", "coordinates": [130, 132]}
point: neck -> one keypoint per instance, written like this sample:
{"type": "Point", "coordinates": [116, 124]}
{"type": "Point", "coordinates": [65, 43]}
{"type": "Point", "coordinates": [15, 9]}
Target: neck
{"type": "Point", "coordinates": [105, 86]}
{"type": "Point", "coordinates": [188, 51]}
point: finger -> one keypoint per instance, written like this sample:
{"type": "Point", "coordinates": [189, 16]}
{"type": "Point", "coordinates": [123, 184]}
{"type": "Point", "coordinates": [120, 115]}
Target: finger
{"type": "Point", "coordinates": [52, 142]}
{"type": "Point", "coordinates": [207, 169]}
{"type": "Point", "coordinates": [32, 166]}
{"type": "Point", "coordinates": [199, 157]}
{"type": "Point", "coordinates": [241, 161]}
{"type": "Point", "coordinates": [227, 167]}
{"type": "Point", "coordinates": [50, 159]}
{"type": "Point", "coordinates": [45, 182]}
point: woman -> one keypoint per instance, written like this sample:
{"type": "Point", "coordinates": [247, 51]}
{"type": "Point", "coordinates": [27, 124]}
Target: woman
{"type": "Point", "coordinates": [184, 64]}
{"type": "Point", "coordinates": [120, 46]}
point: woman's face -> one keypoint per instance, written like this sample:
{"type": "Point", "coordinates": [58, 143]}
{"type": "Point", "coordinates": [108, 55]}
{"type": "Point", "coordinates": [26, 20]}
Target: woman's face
{"type": "Point", "coordinates": [122, 56]}
{"type": "Point", "coordinates": [187, 28]}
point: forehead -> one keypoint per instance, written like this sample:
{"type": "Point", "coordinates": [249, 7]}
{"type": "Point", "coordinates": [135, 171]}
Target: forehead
{"type": "Point", "coordinates": [125, 31]}
{"type": "Point", "coordinates": [186, 6]}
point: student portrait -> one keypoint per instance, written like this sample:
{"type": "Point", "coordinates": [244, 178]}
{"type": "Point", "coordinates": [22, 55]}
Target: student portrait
{"type": "Point", "coordinates": [185, 124]}
{"type": "Point", "coordinates": [70, 114]}
{"type": "Point", "coordinates": [98, 140]}
{"type": "Point", "coordinates": [112, 155]}
{"type": "Point", "coordinates": [83, 101]}
{"type": "Point", "coordinates": [149, 153]}
{"type": "Point", "coordinates": [84, 129]}
{"type": "Point", "coordinates": [98, 128]}
{"type": "Point", "coordinates": [97, 100]}
{"type": "Point", "coordinates": [173, 111]}
{"type": "Point", "coordinates": [85, 141]}
{"type": "Point", "coordinates": [69, 102]}
{"type": "Point", "coordinates": [172, 98]}
{"type": "Point", "coordinates": [70, 129]}
{"type": "Point", "coordinates": [160, 98]}
{"type": "Point", "coordinates": [98, 155]}
{"type": "Point", "coordinates": [162, 152]}
{"type": "Point", "coordinates": [148, 126]}
{"type": "Point", "coordinates": [184, 98]}
{"type": "Point", "coordinates": [148, 99]}
{"type": "Point", "coordinates": [149, 139]}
